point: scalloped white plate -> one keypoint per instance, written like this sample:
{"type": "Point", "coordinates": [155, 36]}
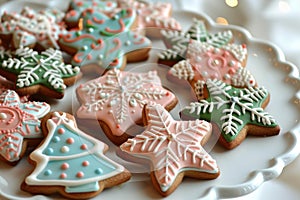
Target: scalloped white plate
{"type": "Point", "coordinates": [243, 169]}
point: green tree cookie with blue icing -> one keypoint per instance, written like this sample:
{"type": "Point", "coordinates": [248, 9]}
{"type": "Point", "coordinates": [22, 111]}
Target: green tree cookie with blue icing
{"type": "Point", "coordinates": [72, 161]}
{"type": "Point", "coordinates": [105, 41]}
{"type": "Point", "coordinates": [177, 42]}
{"type": "Point", "coordinates": [236, 112]}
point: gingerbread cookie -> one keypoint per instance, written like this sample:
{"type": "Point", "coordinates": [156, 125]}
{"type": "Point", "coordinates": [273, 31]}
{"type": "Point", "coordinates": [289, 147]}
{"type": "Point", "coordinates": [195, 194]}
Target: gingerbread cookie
{"type": "Point", "coordinates": [235, 112]}
{"type": "Point", "coordinates": [173, 148]}
{"type": "Point", "coordinates": [177, 42]}
{"type": "Point", "coordinates": [43, 73]}
{"type": "Point", "coordinates": [70, 162]}
{"type": "Point", "coordinates": [19, 125]}
{"type": "Point", "coordinates": [77, 7]}
{"type": "Point", "coordinates": [105, 42]}
{"type": "Point", "coordinates": [116, 100]}
{"type": "Point", "coordinates": [204, 61]}
{"type": "Point", "coordinates": [32, 29]}
{"type": "Point", "coordinates": [153, 16]}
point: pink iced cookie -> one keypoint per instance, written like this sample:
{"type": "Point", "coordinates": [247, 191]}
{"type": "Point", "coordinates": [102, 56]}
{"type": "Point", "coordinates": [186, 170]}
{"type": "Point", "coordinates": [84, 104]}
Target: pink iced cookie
{"type": "Point", "coordinates": [116, 100]}
{"type": "Point", "coordinates": [174, 149]}
{"type": "Point", "coordinates": [203, 61]}
{"type": "Point", "coordinates": [153, 17]}
{"type": "Point", "coordinates": [19, 125]}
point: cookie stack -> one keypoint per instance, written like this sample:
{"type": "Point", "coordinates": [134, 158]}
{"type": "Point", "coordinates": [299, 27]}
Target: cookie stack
{"type": "Point", "coordinates": [44, 52]}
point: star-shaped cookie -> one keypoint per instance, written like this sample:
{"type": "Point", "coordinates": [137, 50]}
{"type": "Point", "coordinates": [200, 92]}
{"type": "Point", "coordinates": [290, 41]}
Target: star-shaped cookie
{"type": "Point", "coordinates": [105, 42]}
{"type": "Point", "coordinates": [236, 112]}
{"type": "Point", "coordinates": [30, 28]}
{"type": "Point", "coordinates": [19, 125]}
{"type": "Point", "coordinates": [204, 61]}
{"type": "Point", "coordinates": [153, 16]}
{"type": "Point", "coordinates": [77, 7]}
{"type": "Point", "coordinates": [43, 73]}
{"type": "Point", "coordinates": [174, 149]}
{"type": "Point", "coordinates": [177, 42]}
{"type": "Point", "coordinates": [116, 100]}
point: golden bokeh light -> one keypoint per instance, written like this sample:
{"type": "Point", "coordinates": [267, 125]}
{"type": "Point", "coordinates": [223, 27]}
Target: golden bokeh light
{"type": "Point", "coordinates": [232, 3]}
{"type": "Point", "coordinates": [222, 20]}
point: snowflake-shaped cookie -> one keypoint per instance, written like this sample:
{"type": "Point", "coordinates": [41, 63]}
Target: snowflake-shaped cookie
{"type": "Point", "coordinates": [44, 73]}
{"type": "Point", "coordinates": [19, 124]}
{"type": "Point", "coordinates": [30, 28]}
{"type": "Point", "coordinates": [117, 99]}
{"type": "Point", "coordinates": [237, 112]}
{"type": "Point", "coordinates": [77, 7]}
{"type": "Point", "coordinates": [104, 41]}
{"type": "Point", "coordinates": [173, 147]}
{"type": "Point", "coordinates": [204, 61]}
{"type": "Point", "coordinates": [153, 16]}
{"type": "Point", "coordinates": [72, 161]}
{"type": "Point", "coordinates": [177, 42]}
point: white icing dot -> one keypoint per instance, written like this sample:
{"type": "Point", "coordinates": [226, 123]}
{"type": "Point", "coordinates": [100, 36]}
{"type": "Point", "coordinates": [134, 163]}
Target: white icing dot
{"type": "Point", "coordinates": [138, 96]}
{"type": "Point", "coordinates": [198, 59]}
{"type": "Point", "coordinates": [65, 149]}
{"type": "Point", "coordinates": [227, 76]}
{"type": "Point", "coordinates": [100, 56]}
{"type": "Point", "coordinates": [127, 43]}
{"type": "Point", "coordinates": [84, 48]}
{"type": "Point", "coordinates": [112, 103]}
{"type": "Point", "coordinates": [204, 73]}
{"type": "Point", "coordinates": [103, 95]}
{"type": "Point", "coordinates": [3, 116]}
{"type": "Point", "coordinates": [56, 86]}
{"type": "Point", "coordinates": [90, 30]}
{"type": "Point", "coordinates": [133, 103]}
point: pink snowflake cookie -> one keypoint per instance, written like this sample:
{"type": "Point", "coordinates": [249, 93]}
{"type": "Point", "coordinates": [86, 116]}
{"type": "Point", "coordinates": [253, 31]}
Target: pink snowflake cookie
{"type": "Point", "coordinates": [153, 16]}
{"type": "Point", "coordinates": [19, 125]}
{"type": "Point", "coordinates": [174, 148]}
{"type": "Point", "coordinates": [117, 99]}
{"type": "Point", "coordinates": [204, 61]}
{"type": "Point", "coordinates": [71, 162]}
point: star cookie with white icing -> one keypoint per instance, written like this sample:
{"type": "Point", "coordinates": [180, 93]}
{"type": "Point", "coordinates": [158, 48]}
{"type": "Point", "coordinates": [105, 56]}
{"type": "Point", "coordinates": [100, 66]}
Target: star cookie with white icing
{"type": "Point", "coordinates": [235, 112]}
{"type": "Point", "coordinates": [116, 100]}
{"type": "Point", "coordinates": [39, 73]}
{"type": "Point", "coordinates": [174, 149]}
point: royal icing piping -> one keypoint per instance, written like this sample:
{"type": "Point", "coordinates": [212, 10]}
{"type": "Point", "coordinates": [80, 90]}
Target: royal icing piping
{"type": "Point", "coordinates": [69, 157]}
{"type": "Point", "coordinates": [172, 146]}
{"type": "Point", "coordinates": [46, 68]}
{"type": "Point", "coordinates": [153, 15]}
{"type": "Point", "coordinates": [104, 41]}
{"type": "Point", "coordinates": [77, 7]}
{"type": "Point", "coordinates": [117, 98]}
{"type": "Point", "coordinates": [203, 61]}
{"type": "Point", "coordinates": [40, 28]}
{"type": "Point", "coordinates": [177, 42]}
{"type": "Point", "coordinates": [232, 108]}
{"type": "Point", "coordinates": [18, 121]}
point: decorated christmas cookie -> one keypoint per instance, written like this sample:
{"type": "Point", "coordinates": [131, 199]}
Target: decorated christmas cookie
{"type": "Point", "coordinates": [204, 61]}
{"type": "Point", "coordinates": [19, 125]}
{"type": "Point", "coordinates": [105, 42]}
{"type": "Point", "coordinates": [77, 7]}
{"type": "Point", "coordinates": [43, 73]}
{"type": "Point", "coordinates": [177, 42]}
{"type": "Point", "coordinates": [70, 162]}
{"type": "Point", "coordinates": [32, 29]}
{"type": "Point", "coordinates": [235, 112]}
{"type": "Point", "coordinates": [174, 149]}
{"type": "Point", "coordinates": [153, 16]}
{"type": "Point", "coordinates": [116, 100]}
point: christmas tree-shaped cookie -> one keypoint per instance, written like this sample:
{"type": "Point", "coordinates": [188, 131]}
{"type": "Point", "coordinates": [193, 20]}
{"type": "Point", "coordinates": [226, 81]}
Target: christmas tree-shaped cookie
{"type": "Point", "coordinates": [71, 162]}
{"type": "Point", "coordinates": [235, 112]}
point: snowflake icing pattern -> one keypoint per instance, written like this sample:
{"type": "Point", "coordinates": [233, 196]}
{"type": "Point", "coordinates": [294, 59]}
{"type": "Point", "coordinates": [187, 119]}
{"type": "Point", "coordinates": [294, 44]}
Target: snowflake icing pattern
{"type": "Point", "coordinates": [172, 146]}
{"type": "Point", "coordinates": [18, 121]}
{"type": "Point", "coordinates": [46, 69]}
{"type": "Point", "coordinates": [122, 95]}
{"type": "Point", "coordinates": [232, 108]}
